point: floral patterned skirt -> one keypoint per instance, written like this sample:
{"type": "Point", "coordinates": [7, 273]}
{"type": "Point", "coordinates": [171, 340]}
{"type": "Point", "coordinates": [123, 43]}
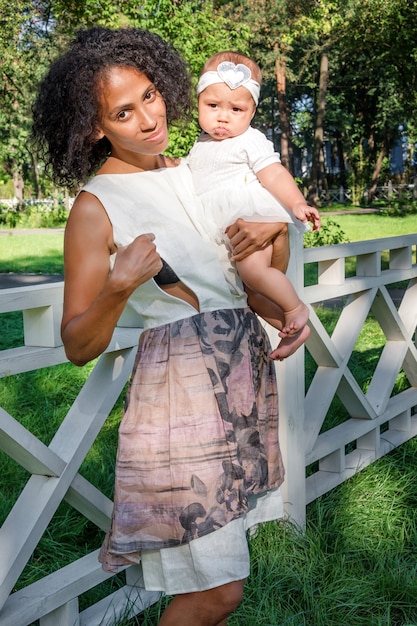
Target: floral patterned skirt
{"type": "Point", "coordinates": [199, 434]}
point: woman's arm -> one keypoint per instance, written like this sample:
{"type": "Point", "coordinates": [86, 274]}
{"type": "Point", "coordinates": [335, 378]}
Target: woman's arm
{"type": "Point", "coordinates": [94, 297]}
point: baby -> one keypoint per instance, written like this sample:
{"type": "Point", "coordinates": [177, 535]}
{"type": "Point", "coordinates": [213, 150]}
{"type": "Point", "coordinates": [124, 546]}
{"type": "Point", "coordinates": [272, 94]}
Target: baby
{"type": "Point", "coordinates": [236, 173]}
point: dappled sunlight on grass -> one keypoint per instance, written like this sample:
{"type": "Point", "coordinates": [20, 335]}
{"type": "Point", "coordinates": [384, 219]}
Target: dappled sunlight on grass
{"type": "Point", "coordinates": [354, 565]}
{"type": "Point", "coordinates": [373, 226]}
{"type": "Point", "coordinates": [41, 253]}
{"type": "Point", "coordinates": [40, 399]}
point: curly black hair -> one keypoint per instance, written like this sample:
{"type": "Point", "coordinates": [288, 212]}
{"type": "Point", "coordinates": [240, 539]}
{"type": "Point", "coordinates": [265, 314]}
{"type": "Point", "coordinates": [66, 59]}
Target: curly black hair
{"type": "Point", "coordinates": [66, 110]}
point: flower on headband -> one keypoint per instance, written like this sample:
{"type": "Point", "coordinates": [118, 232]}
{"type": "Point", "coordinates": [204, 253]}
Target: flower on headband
{"type": "Point", "coordinates": [234, 75]}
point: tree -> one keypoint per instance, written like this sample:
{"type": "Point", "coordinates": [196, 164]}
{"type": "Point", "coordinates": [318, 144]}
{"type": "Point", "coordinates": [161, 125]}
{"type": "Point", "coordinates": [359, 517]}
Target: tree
{"type": "Point", "coordinates": [369, 47]}
{"type": "Point", "coordinates": [16, 77]}
{"type": "Point", "coordinates": [370, 89]}
{"type": "Point", "coordinates": [317, 172]}
{"type": "Point", "coordinates": [371, 82]}
{"type": "Point", "coordinates": [26, 47]}
{"type": "Point", "coordinates": [197, 30]}
{"type": "Point", "coordinates": [377, 59]}
{"type": "Point", "coordinates": [274, 24]}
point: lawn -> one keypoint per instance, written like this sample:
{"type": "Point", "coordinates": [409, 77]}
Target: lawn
{"type": "Point", "coordinates": [373, 226]}
{"type": "Point", "coordinates": [355, 564]}
{"type": "Point", "coordinates": [41, 252]}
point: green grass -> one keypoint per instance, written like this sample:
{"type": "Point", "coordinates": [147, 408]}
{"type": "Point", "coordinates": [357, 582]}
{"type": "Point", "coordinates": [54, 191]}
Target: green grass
{"type": "Point", "coordinates": [39, 253]}
{"type": "Point", "coordinates": [354, 565]}
{"type": "Point", "coordinates": [40, 400]}
{"type": "Point", "coordinates": [373, 225]}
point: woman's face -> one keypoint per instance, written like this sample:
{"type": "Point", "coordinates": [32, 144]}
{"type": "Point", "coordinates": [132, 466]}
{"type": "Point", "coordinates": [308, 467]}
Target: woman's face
{"type": "Point", "coordinates": [132, 115]}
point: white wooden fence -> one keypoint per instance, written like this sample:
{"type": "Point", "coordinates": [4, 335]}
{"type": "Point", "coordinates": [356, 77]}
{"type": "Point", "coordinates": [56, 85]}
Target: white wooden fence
{"type": "Point", "coordinates": [378, 420]}
{"type": "Point", "coordinates": [385, 193]}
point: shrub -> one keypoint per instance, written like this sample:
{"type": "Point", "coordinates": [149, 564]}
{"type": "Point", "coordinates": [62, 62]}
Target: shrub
{"type": "Point", "coordinates": [329, 234]}
{"type": "Point", "coordinates": [9, 216]}
{"type": "Point", "coordinates": [33, 214]}
{"type": "Point", "coordinates": [399, 207]}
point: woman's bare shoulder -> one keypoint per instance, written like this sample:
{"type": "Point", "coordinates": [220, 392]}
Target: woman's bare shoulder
{"type": "Point", "coordinates": [88, 220]}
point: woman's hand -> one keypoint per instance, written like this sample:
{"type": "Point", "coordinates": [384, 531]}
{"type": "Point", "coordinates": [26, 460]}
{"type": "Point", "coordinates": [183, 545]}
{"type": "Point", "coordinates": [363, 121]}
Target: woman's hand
{"type": "Point", "coordinates": [248, 237]}
{"type": "Point", "coordinates": [135, 264]}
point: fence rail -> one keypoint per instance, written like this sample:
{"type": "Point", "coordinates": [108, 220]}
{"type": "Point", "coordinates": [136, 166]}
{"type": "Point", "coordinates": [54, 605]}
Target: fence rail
{"type": "Point", "coordinates": [379, 419]}
{"type": "Point", "coordinates": [384, 193]}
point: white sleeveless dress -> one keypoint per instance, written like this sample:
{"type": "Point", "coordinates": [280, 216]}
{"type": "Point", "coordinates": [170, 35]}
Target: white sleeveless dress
{"type": "Point", "coordinates": [198, 458]}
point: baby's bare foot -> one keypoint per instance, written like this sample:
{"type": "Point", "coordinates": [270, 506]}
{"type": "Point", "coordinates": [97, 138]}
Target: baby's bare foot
{"type": "Point", "coordinates": [288, 345]}
{"type": "Point", "coordinates": [295, 320]}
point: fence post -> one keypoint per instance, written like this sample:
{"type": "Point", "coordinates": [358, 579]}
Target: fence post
{"type": "Point", "coordinates": [290, 374]}
{"type": "Point", "coordinates": [66, 615]}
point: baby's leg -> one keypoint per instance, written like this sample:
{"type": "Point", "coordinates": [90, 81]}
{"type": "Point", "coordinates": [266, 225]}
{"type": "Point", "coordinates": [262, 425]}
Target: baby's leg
{"type": "Point", "coordinates": [265, 308]}
{"type": "Point", "coordinates": [281, 249]}
{"type": "Point", "coordinates": [271, 309]}
{"type": "Point", "coordinates": [274, 315]}
{"type": "Point", "coordinates": [257, 273]}
{"type": "Point", "coordinates": [288, 345]}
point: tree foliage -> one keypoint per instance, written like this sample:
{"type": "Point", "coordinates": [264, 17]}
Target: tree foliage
{"type": "Point", "coordinates": [371, 93]}
{"type": "Point", "coordinates": [18, 73]}
{"type": "Point", "coordinates": [376, 69]}
{"type": "Point", "coordinates": [370, 89]}
{"type": "Point", "coordinates": [41, 30]}
{"type": "Point", "coordinates": [197, 31]}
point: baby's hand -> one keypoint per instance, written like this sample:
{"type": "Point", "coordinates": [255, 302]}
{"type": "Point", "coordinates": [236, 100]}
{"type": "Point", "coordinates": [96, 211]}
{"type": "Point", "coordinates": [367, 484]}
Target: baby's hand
{"type": "Point", "coordinates": [306, 213]}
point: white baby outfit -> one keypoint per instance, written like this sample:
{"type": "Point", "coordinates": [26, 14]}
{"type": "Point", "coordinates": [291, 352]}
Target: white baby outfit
{"type": "Point", "coordinates": [224, 177]}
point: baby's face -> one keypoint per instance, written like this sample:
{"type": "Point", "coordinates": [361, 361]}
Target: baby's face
{"type": "Point", "coordinates": [223, 112]}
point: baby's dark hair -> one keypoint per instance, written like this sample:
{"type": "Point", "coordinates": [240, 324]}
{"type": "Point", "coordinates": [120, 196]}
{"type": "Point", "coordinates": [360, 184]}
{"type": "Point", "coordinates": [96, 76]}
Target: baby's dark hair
{"type": "Point", "coordinates": [236, 58]}
{"type": "Point", "coordinates": [66, 110]}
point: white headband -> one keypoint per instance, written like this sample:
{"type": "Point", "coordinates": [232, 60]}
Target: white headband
{"type": "Point", "coordinates": [233, 75]}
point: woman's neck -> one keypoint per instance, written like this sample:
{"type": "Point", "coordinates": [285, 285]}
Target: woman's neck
{"type": "Point", "coordinates": [116, 165]}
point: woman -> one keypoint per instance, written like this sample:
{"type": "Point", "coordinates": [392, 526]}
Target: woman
{"type": "Point", "coordinates": [198, 458]}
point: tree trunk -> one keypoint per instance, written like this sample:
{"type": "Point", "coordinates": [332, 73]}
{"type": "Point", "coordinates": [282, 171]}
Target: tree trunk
{"type": "Point", "coordinates": [377, 171]}
{"type": "Point", "coordinates": [318, 174]}
{"type": "Point", "coordinates": [18, 185]}
{"type": "Point", "coordinates": [341, 158]}
{"type": "Point", "coordinates": [36, 180]}
{"type": "Point", "coordinates": [283, 115]}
